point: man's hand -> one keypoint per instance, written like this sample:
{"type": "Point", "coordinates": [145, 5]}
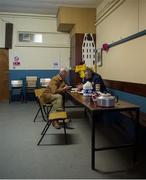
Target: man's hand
{"type": "Point", "coordinates": [66, 88]}
{"type": "Point", "coordinates": [80, 87]}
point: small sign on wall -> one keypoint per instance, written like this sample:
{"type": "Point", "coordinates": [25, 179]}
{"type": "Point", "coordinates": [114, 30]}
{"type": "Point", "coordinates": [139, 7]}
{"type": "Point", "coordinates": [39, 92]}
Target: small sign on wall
{"type": "Point", "coordinates": [56, 64]}
{"type": "Point", "coordinates": [99, 57]}
{"type": "Point", "coordinates": [16, 61]}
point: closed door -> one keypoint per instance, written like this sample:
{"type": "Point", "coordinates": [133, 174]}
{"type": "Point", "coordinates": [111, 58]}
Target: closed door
{"type": "Point", "coordinates": [4, 79]}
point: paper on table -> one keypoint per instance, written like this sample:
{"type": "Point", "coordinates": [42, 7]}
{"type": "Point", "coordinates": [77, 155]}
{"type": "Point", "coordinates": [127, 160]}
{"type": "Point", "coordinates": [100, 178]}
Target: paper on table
{"type": "Point", "coordinates": [74, 89]}
{"type": "Point", "coordinates": [80, 92]}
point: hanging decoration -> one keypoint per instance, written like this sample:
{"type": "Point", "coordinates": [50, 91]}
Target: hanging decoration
{"type": "Point", "coordinates": [88, 50]}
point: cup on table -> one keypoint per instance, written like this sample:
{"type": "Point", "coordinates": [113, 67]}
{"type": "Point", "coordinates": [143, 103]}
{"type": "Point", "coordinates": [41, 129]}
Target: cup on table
{"type": "Point", "coordinates": [97, 87]}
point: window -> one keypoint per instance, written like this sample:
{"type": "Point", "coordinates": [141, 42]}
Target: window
{"type": "Point", "coordinates": [30, 37]}
{"type": "Point", "coordinates": [42, 39]}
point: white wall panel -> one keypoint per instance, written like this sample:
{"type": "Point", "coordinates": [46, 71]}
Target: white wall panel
{"type": "Point", "coordinates": [119, 24]}
{"type": "Point", "coordinates": [2, 34]}
{"type": "Point", "coordinates": [142, 15]}
{"type": "Point", "coordinates": [127, 61]}
{"type": "Point", "coordinates": [43, 56]}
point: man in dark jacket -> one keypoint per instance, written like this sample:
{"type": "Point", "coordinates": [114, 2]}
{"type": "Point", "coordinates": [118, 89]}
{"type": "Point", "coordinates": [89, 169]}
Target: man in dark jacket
{"type": "Point", "coordinates": [95, 79]}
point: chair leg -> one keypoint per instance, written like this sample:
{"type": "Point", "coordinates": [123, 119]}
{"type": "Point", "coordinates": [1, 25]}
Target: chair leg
{"type": "Point", "coordinates": [43, 114]}
{"type": "Point", "coordinates": [21, 96]}
{"type": "Point", "coordinates": [85, 112]}
{"type": "Point", "coordinates": [10, 96]}
{"type": "Point", "coordinates": [25, 97]}
{"type": "Point", "coordinates": [65, 135]}
{"type": "Point", "coordinates": [37, 114]}
{"type": "Point", "coordinates": [49, 110]}
{"type": "Point", "coordinates": [46, 110]}
{"type": "Point", "coordinates": [46, 128]}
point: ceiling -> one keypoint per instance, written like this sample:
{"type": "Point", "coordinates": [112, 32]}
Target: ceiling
{"type": "Point", "coordinates": [49, 7]}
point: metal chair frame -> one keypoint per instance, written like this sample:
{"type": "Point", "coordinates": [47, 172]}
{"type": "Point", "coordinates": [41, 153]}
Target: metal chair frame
{"type": "Point", "coordinates": [17, 86]}
{"type": "Point", "coordinates": [49, 122]}
{"type": "Point", "coordinates": [30, 89]}
{"type": "Point", "coordinates": [44, 82]}
{"type": "Point", "coordinates": [44, 109]}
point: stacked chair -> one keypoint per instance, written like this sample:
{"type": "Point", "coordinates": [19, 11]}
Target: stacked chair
{"type": "Point", "coordinates": [16, 90]}
{"type": "Point", "coordinates": [30, 86]}
{"type": "Point", "coordinates": [44, 82]}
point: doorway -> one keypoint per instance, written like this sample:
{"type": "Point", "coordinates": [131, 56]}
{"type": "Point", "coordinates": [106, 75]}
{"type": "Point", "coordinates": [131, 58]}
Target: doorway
{"type": "Point", "coordinates": [4, 76]}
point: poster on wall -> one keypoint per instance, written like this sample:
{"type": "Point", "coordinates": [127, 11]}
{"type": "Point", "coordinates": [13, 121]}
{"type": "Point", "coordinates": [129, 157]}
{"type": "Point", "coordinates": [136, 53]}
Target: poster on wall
{"type": "Point", "coordinates": [56, 64]}
{"type": "Point", "coordinates": [16, 62]}
{"type": "Point", "coordinates": [99, 57]}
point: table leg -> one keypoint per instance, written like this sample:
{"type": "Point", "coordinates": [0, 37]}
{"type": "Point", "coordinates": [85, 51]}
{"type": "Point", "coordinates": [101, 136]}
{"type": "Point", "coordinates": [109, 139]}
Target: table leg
{"type": "Point", "coordinates": [136, 137]}
{"type": "Point", "coordinates": [93, 142]}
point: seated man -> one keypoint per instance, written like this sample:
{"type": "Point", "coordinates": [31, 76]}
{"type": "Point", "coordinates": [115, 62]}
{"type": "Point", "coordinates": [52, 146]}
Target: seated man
{"type": "Point", "coordinates": [54, 91]}
{"type": "Point", "coordinates": [95, 79]}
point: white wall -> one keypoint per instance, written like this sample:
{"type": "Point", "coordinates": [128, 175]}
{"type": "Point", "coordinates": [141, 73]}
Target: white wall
{"type": "Point", "coordinates": [2, 34]}
{"type": "Point", "coordinates": [40, 57]}
{"type": "Point", "coordinates": [142, 14]}
{"type": "Point", "coordinates": [125, 62]}
{"type": "Point", "coordinates": [119, 24]}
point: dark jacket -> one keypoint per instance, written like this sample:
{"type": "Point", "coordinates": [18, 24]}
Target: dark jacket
{"type": "Point", "coordinates": [96, 79]}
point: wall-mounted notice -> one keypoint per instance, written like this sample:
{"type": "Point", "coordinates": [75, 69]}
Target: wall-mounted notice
{"type": "Point", "coordinates": [16, 61]}
{"type": "Point", "coordinates": [56, 65]}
